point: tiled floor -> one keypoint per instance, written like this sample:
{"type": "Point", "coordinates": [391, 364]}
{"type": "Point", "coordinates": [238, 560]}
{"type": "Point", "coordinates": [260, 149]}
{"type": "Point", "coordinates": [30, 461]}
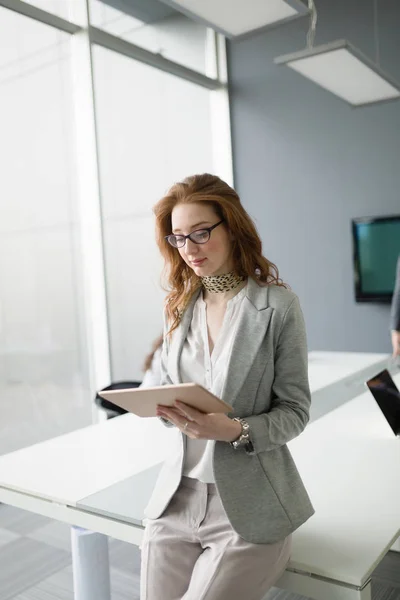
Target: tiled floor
{"type": "Point", "coordinates": [35, 563]}
{"type": "Point", "coordinates": [35, 560]}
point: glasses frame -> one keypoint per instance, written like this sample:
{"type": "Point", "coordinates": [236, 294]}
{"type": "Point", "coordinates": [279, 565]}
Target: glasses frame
{"type": "Point", "coordinates": [185, 237]}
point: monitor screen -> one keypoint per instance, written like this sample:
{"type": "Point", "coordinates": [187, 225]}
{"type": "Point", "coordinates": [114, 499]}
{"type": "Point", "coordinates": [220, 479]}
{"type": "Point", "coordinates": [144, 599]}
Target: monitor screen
{"type": "Point", "coordinates": [376, 249]}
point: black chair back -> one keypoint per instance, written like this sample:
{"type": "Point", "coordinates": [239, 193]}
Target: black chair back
{"type": "Point", "coordinates": [119, 385]}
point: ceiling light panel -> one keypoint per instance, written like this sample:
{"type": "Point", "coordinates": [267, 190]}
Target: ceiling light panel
{"type": "Point", "coordinates": [239, 17]}
{"type": "Point", "coordinates": [344, 71]}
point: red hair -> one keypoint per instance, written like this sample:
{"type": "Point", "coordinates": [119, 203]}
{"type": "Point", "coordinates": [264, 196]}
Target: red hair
{"type": "Point", "coordinates": [247, 255]}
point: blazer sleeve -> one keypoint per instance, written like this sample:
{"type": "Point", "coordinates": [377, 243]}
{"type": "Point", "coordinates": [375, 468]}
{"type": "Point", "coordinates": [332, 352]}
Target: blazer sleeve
{"type": "Point", "coordinates": [290, 407]}
{"type": "Point", "coordinates": [395, 312]}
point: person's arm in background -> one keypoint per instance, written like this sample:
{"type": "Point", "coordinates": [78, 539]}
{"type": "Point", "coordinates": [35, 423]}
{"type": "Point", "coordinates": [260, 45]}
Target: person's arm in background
{"type": "Point", "coordinates": [165, 378]}
{"type": "Point", "coordinates": [152, 376]}
{"type": "Point", "coordinates": [155, 366]}
{"type": "Point", "coordinates": [395, 314]}
{"type": "Point", "coordinates": [152, 365]}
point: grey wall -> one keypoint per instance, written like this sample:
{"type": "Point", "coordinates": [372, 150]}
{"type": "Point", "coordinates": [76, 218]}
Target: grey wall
{"type": "Point", "coordinates": [306, 163]}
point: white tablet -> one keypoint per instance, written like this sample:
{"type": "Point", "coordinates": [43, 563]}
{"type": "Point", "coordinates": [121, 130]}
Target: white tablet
{"type": "Point", "coordinates": [143, 401]}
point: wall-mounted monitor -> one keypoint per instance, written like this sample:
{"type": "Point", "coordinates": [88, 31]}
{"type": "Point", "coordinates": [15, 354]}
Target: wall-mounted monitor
{"type": "Point", "coordinates": [376, 248]}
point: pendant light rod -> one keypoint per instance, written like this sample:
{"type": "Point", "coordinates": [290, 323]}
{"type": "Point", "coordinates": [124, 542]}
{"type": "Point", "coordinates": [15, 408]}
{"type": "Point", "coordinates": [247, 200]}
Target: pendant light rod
{"type": "Point", "coordinates": [313, 24]}
{"type": "Point", "coordinates": [376, 35]}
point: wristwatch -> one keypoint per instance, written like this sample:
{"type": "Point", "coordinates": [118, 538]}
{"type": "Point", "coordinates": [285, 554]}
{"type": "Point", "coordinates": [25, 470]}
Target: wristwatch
{"type": "Point", "coordinates": [243, 441]}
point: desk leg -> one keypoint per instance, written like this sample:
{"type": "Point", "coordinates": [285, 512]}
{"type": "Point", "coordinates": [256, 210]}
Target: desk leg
{"type": "Point", "coordinates": [90, 564]}
{"type": "Point", "coordinates": [321, 588]}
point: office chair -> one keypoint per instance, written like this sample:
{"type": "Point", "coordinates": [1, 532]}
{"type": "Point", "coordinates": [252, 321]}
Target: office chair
{"type": "Point", "coordinates": [112, 410]}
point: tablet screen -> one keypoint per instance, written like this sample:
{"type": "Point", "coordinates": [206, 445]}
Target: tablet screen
{"type": "Point", "coordinates": [387, 396]}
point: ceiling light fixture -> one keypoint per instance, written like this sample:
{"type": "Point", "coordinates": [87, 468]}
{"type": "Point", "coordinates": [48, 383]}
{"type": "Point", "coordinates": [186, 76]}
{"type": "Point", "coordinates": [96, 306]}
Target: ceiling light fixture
{"type": "Point", "coordinates": [236, 18]}
{"type": "Point", "coordinates": [342, 69]}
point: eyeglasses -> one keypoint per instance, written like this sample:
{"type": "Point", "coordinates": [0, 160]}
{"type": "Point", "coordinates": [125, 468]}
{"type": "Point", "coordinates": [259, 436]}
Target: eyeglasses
{"type": "Point", "coordinates": [200, 236]}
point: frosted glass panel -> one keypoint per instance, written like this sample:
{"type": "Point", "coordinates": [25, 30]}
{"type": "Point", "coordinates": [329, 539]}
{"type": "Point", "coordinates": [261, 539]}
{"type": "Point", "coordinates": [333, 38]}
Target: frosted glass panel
{"type": "Point", "coordinates": [43, 371]}
{"type": "Point", "coordinates": [153, 130]}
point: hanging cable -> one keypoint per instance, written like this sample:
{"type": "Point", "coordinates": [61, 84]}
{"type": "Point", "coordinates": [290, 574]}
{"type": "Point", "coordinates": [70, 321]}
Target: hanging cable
{"type": "Point", "coordinates": [313, 24]}
{"type": "Point", "coordinates": [376, 35]}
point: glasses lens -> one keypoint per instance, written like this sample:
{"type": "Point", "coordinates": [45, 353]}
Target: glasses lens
{"type": "Point", "coordinates": [200, 237]}
{"type": "Point", "coordinates": [177, 241]}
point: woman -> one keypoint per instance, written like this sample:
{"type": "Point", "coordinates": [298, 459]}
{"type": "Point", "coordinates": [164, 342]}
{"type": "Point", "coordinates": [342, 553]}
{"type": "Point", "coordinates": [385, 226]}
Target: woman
{"type": "Point", "coordinates": [229, 495]}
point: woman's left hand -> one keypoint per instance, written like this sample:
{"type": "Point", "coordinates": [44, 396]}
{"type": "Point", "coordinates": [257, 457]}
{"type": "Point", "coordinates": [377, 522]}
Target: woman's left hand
{"type": "Point", "coordinates": [200, 426]}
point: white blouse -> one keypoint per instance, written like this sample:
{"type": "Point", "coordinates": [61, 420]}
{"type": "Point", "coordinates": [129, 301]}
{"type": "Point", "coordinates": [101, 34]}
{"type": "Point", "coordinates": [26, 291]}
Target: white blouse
{"type": "Point", "coordinates": [196, 365]}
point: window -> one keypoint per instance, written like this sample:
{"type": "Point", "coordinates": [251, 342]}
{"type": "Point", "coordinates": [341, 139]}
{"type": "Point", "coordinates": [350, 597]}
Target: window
{"type": "Point", "coordinates": [158, 114]}
{"type": "Point", "coordinates": [43, 366]}
{"type": "Point", "coordinates": [153, 129]}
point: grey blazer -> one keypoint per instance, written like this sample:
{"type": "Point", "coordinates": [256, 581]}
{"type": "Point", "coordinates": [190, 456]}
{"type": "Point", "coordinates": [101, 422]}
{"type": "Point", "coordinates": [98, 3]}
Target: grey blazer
{"type": "Point", "coordinates": [395, 312]}
{"type": "Point", "coordinates": [266, 383]}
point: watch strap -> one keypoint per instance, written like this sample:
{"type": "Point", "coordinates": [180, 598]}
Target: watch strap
{"type": "Point", "coordinates": [243, 441]}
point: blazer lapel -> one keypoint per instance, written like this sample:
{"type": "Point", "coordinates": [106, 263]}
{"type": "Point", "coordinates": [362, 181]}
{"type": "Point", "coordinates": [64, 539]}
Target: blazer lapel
{"type": "Point", "coordinates": [178, 339]}
{"type": "Point", "coordinates": [254, 319]}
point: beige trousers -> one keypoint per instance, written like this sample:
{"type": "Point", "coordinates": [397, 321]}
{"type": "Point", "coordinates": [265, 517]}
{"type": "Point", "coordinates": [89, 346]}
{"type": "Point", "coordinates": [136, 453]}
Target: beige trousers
{"type": "Point", "coordinates": [192, 553]}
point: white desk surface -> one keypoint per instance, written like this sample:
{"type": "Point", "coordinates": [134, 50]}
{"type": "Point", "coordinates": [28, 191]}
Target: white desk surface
{"type": "Point", "coordinates": [344, 457]}
{"type": "Point", "coordinates": [325, 368]}
{"type": "Point", "coordinates": [350, 463]}
{"type": "Point", "coordinates": [70, 467]}
{"type": "Point", "coordinates": [73, 466]}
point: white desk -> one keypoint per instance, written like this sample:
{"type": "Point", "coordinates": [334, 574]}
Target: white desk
{"type": "Point", "coordinates": [326, 368]}
{"type": "Point", "coordinates": [337, 377]}
{"type": "Point", "coordinates": [345, 458]}
{"type": "Point", "coordinates": [350, 462]}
